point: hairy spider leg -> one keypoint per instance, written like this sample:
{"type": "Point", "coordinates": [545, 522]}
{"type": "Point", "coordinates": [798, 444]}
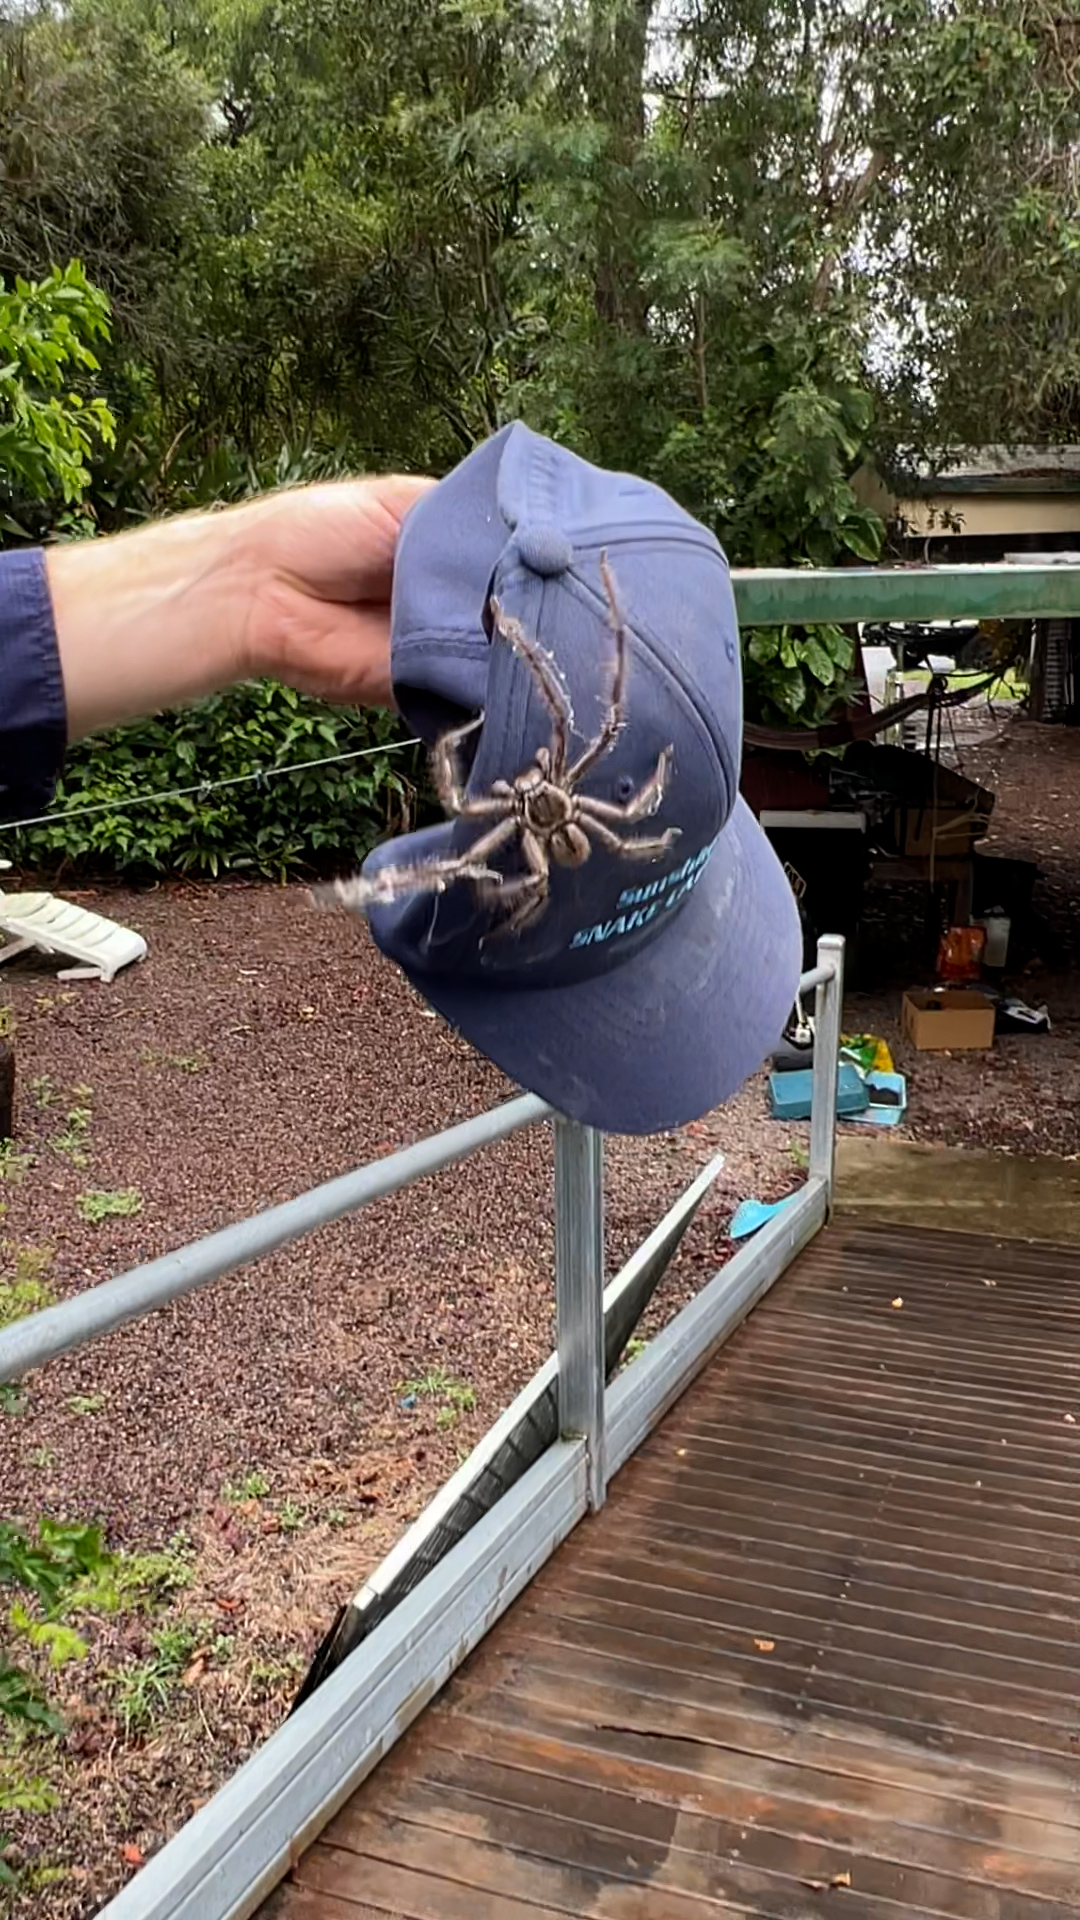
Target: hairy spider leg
{"type": "Point", "coordinates": [529, 890]}
{"type": "Point", "coordinates": [488, 843]}
{"type": "Point", "coordinates": [424, 876]}
{"type": "Point", "coordinates": [640, 805]}
{"type": "Point", "coordinates": [643, 848]}
{"type": "Point", "coordinates": [544, 671]}
{"type": "Point", "coordinates": [615, 717]}
{"type": "Point", "coordinates": [450, 781]}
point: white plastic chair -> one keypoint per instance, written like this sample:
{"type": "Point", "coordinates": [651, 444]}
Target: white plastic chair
{"type": "Point", "coordinates": [40, 920]}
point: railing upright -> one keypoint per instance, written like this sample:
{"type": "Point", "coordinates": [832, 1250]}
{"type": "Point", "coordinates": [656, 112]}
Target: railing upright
{"type": "Point", "coordinates": [828, 1015]}
{"type": "Point", "coordinates": [579, 1293]}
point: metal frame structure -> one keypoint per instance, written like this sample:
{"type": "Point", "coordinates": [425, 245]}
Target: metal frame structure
{"type": "Point", "coordinates": [229, 1856]}
{"type": "Point", "coordinates": [1024, 589]}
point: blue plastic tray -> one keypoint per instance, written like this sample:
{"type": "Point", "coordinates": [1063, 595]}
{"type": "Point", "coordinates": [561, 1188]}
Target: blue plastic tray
{"type": "Point", "coordinates": [790, 1094]}
{"type": "Point", "coordinates": [877, 1114]}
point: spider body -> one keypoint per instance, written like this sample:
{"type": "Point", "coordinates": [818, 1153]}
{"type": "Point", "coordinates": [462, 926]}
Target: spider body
{"type": "Point", "coordinates": [542, 807]}
{"type": "Point", "coordinates": [545, 810]}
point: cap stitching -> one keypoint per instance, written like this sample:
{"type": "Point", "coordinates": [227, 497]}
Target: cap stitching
{"type": "Point", "coordinates": [575, 583]}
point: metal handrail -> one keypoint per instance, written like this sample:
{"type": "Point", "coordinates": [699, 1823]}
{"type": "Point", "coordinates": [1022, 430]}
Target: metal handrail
{"type": "Point", "coordinates": [130, 1296]}
{"type": "Point", "coordinates": [87, 1316]}
{"type": "Point", "coordinates": [771, 596]}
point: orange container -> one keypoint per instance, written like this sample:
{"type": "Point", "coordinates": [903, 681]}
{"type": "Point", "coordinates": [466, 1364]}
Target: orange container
{"type": "Point", "coordinates": [960, 954]}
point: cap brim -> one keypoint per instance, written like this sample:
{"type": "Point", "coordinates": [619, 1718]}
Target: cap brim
{"type": "Point", "coordinates": [678, 1029]}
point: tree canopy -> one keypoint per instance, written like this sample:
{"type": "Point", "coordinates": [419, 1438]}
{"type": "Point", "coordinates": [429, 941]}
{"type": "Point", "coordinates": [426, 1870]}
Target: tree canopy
{"type": "Point", "coordinates": [790, 229]}
{"type": "Point", "coordinates": [733, 245]}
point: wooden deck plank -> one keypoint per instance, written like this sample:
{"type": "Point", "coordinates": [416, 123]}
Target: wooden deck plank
{"type": "Point", "coordinates": [827, 1625]}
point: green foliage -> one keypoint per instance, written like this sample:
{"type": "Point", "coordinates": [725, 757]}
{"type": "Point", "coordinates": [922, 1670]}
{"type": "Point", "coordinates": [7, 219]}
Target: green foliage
{"type": "Point", "coordinates": [797, 675]}
{"type": "Point", "coordinates": [100, 1204]}
{"type": "Point", "coordinates": [50, 1564]}
{"type": "Point", "coordinates": [59, 1574]}
{"type": "Point", "coordinates": [736, 246]}
{"type": "Point", "coordinates": [45, 1569]}
{"type": "Point", "coordinates": [144, 1691]}
{"type": "Point", "coordinates": [23, 1289]}
{"type": "Point", "coordinates": [47, 428]}
{"type": "Point", "coordinates": [73, 1143]}
{"type": "Point", "coordinates": [139, 1581]}
{"type": "Point", "coordinates": [253, 1485]}
{"type": "Point", "coordinates": [259, 827]}
{"type": "Point", "coordinates": [14, 1165]}
{"type": "Point", "coordinates": [450, 1396]}
{"type": "Point", "coordinates": [83, 1404]}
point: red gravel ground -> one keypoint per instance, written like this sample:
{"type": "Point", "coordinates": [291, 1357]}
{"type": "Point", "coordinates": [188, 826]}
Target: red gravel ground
{"type": "Point", "coordinates": [260, 1049]}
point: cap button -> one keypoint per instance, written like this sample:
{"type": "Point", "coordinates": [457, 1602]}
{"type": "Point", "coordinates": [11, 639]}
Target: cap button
{"type": "Point", "coordinates": [543, 549]}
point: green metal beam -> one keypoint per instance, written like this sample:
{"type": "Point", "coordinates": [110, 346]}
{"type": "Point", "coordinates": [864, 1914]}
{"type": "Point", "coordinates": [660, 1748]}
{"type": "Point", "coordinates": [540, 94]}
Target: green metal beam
{"type": "Point", "coordinates": [770, 597]}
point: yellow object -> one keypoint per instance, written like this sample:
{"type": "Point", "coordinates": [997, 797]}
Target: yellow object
{"type": "Point", "coordinates": [871, 1053]}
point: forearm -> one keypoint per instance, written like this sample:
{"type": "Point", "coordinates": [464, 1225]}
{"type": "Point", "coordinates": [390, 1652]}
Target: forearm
{"type": "Point", "coordinates": [295, 586]}
{"type": "Point", "coordinates": [152, 619]}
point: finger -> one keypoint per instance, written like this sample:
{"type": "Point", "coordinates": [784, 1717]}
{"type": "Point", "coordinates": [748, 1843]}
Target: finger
{"type": "Point", "coordinates": [338, 540]}
{"type": "Point", "coordinates": [397, 492]}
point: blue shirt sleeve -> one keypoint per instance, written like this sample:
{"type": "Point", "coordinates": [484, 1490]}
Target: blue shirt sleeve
{"type": "Point", "coordinates": [33, 716]}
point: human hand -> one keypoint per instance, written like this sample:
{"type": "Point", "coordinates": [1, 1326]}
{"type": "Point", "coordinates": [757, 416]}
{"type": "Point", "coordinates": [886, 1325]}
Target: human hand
{"type": "Point", "coordinates": [295, 585]}
{"type": "Point", "coordinates": [317, 568]}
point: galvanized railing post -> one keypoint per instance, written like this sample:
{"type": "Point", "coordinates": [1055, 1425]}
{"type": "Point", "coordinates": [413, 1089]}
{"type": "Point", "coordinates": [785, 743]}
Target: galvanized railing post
{"type": "Point", "coordinates": [828, 1015]}
{"type": "Point", "coordinates": [579, 1291]}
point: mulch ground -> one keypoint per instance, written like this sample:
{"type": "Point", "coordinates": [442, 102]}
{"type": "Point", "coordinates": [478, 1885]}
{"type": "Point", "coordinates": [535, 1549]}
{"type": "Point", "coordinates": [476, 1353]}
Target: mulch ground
{"type": "Point", "coordinates": [266, 1425]}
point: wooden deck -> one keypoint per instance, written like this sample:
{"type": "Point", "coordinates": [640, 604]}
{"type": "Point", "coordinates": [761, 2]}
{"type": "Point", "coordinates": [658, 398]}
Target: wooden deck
{"type": "Point", "coordinates": [819, 1654]}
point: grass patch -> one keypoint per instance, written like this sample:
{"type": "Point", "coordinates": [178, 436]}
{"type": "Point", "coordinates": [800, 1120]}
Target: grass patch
{"type": "Point", "coordinates": [143, 1692]}
{"type": "Point", "coordinates": [86, 1403]}
{"type": "Point", "coordinates": [252, 1485]}
{"type": "Point", "coordinates": [196, 1062]}
{"type": "Point", "coordinates": [14, 1166]}
{"type": "Point", "coordinates": [98, 1205]}
{"type": "Point", "coordinates": [144, 1580]}
{"type": "Point", "coordinates": [73, 1143]}
{"type": "Point", "coordinates": [23, 1290]}
{"type": "Point", "coordinates": [452, 1397]}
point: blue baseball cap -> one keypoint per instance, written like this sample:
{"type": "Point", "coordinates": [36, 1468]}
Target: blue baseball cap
{"type": "Point", "coordinates": [634, 992]}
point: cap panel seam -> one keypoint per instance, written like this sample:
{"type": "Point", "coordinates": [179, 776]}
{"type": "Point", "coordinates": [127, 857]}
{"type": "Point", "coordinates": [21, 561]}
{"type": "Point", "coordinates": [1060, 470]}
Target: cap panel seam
{"type": "Point", "coordinates": [581, 589]}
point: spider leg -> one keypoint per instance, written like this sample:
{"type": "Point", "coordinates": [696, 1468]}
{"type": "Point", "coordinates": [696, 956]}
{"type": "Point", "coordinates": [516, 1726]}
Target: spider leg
{"type": "Point", "coordinates": [529, 890]}
{"type": "Point", "coordinates": [548, 679]}
{"type": "Point", "coordinates": [644, 847]}
{"type": "Point", "coordinates": [449, 778]}
{"type": "Point", "coordinates": [487, 844]}
{"type": "Point", "coordinates": [640, 805]}
{"type": "Point", "coordinates": [391, 883]}
{"type": "Point", "coordinates": [615, 717]}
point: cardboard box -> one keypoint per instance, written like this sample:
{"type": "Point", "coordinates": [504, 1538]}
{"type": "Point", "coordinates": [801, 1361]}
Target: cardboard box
{"type": "Point", "coordinates": [947, 832]}
{"type": "Point", "coordinates": [951, 1020]}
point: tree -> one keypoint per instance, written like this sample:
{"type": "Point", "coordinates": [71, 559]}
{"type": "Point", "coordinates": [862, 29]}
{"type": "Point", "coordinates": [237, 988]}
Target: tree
{"type": "Point", "coordinates": [733, 245]}
{"type": "Point", "coordinates": [48, 428]}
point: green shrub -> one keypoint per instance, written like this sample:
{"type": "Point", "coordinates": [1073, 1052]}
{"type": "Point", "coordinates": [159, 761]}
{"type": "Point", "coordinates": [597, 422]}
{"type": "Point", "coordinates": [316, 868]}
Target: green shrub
{"type": "Point", "coordinates": [47, 431]}
{"type": "Point", "coordinates": [797, 676]}
{"type": "Point", "coordinates": [307, 819]}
